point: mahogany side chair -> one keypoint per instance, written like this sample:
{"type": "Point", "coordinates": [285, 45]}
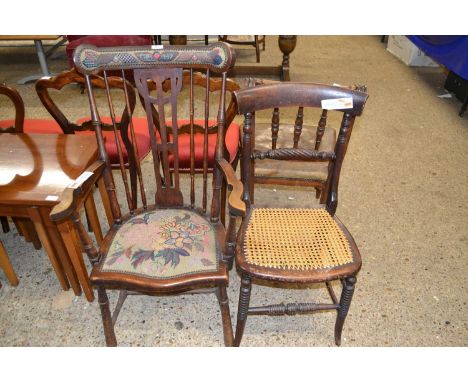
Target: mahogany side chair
{"type": "Point", "coordinates": [84, 125]}
{"type": "Point", "coordinates": [170, 245]}
{"type": "Point", "coordinates": [253, 40]}
{"type": "Point", "coordinates": [296, 247]}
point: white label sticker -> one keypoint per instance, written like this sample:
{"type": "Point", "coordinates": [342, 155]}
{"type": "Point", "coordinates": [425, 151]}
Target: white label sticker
{"type": "Point", "coordinates": [337, 103]}
{"type": "Point", "coordinates": [156, 47]}
{"type": "Point", "coordinates": [81, 179]}
{"type": "Point", "coordinates": [51, 198]}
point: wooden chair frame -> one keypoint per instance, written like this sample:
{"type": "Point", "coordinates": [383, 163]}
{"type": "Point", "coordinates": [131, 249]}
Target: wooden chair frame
{"type": "Point", "coordinates": [297, 95]}
{"type": "Point", "coordinates": [146, 64]}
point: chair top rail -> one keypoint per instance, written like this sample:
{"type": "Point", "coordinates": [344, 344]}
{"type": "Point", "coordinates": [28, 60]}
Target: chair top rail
{"type": "Point", "coordinates": [217, 57]}
{"type": "Point", "coordinates": [300, 94]}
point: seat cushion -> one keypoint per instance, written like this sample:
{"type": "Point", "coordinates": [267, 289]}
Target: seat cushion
{"type": "Point", "coordinates": [140, 126]}
{"type": "Point", "coordinates": [312, 171]}
{"type": "Point", "coordinates": [232, 144]}
{"type": "Point", "coordinates": [36, 126]}
{"type": "Point", "coordinates": [161, 244]}
{"type": "Point", "coordinates": [295, 239]}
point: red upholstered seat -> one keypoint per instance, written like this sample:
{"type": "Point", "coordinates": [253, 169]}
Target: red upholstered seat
{"type": "Point", "coordinates": [35, 126]}
{"type": "Point", "coordinates": [140, 126]}
{"type": "Point", "coordinates": [232, 143]}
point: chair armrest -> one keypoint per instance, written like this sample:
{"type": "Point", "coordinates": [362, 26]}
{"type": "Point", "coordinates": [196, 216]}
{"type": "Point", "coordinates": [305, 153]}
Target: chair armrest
{"type": "Point", "coordinates": [235, 203]}
{"type": "Point", "coordinates": [74, 195]}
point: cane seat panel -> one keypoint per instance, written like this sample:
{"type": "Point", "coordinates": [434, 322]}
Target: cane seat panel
{"type": "Point", "coordinates": [295, 239]}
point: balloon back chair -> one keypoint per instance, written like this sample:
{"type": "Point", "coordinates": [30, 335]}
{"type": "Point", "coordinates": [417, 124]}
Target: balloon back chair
{"type": "Point", "coordinates": [19, 124]}
{"type": "Point", "coordinates": [296, 247]}
{"type": "Point", "coordinates": [48, 89]}
{"type": "Point", "coordinates": [171, 245]}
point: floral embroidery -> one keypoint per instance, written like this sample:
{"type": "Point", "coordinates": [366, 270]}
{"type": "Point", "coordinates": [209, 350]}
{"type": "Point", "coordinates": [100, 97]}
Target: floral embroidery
{"type": "Point", "coordinates": [155, 243]}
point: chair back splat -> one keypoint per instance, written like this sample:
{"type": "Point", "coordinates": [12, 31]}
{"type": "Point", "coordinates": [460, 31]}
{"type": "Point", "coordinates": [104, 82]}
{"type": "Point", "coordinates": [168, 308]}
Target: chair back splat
{"type": "Point", "coordinates": [153, 77]}
{"type": "Point", "coordinates": [172, 245]}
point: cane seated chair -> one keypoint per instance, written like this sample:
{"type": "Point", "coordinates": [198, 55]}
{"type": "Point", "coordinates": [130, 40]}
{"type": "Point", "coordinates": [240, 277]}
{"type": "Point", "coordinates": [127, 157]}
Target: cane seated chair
{"type": "Point", "coordinates": [295, 247]}
{"type": "Point", "coordinates": [168, 246]}
{"type": "Point", "coordinates": [84, 125]}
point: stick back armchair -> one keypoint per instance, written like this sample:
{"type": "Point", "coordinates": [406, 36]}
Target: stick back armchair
{"type": "Point", "coordinates": [170, 245]}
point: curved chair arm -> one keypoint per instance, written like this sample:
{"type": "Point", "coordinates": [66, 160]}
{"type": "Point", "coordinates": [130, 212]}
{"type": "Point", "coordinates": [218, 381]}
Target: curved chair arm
{"type": "Point", "coordinates": [235, 203]}
{"type": "Point", "coordinates": [15, 97]}
{"type": "Point", "coordinates": [75, 195]}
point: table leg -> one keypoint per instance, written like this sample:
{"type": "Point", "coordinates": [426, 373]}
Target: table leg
{"type": "Point", "coordinates": [105, 201]}
{"type": "Point", "coordinates": [286, 45]}
{"type": "Point", "coordinates": [93, 218]}
{"type": "Point", "coordinates": [42, 57]}
{"type": "Point", "coordinates": [74, 251]}
{"type": "Point", "coordinates": [42, 62]}
{"type": "Point", "coordinates": [46, 242]}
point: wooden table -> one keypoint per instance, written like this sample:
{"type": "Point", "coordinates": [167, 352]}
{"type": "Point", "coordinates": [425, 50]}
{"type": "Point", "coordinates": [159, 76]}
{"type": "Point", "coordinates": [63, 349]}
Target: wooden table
{"type": "Point", "coordinates": [286, 44]}
{"type": "Point", "coordinates": [34, 171]}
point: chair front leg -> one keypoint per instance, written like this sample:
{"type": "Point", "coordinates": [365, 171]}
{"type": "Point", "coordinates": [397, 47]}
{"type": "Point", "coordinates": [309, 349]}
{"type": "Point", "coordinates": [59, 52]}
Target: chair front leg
{"type": "Point", "coordinates": [242, 311]}
{"type": "Point", "coordinates": [106, 317]}
{"type": "Point", "coordinates": [345, 302]}
{"type": "Point", "coordinates": [223, 300]}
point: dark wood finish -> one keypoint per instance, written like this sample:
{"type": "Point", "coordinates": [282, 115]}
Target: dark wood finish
{"type": "Point", "coordinates": [18, 104]}
{"type": "Point", "coordinates": [294, 94]}
{"type": "Point", "coordinates": [302, 96]}
{"type": "Point", "coordinates": [33, 173]}
{"type": "Point", "coordinates": [287, 45]}
{"type": "Point", "coordinates": [151, 78]}
{"type": "Point", "coordinates": [120, 126]}
{"type": "Point", "coordinates": [178, 39]}
{"type": "Point", "coordinates": [194, 80]}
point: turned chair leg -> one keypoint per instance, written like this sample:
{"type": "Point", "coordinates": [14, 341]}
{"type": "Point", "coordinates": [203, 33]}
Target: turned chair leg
{"type": "Point", "coordinates": [223, 300]}
{"type": "Point", "coordinates": [345, 302]}
{"type": "Point", "coordinates": [106, 317]}
{"type": "Point", "coordinates": [5, 226]}
{"type": "Point", "coordinates": [242, 311]}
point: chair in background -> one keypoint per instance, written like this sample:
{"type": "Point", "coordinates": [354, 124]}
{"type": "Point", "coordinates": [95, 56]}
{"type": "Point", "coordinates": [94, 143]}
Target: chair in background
{"type": "Point", "coordinates": [84, 125]}
{"type": "Point", "coordinates": [201, 86]}
{"type": "Point", "coordinates": [296, 247]}
{"type": "Point", "coordinates": [17, 125]}
{"type": "Point", "coordinates": [104, 40]}
{"type": "Point", "coordinates": [165, 247]}
{"type": "Point", "coordinates": [253, 40]}
{"type": "Point", "coordinates": [294, 133]}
